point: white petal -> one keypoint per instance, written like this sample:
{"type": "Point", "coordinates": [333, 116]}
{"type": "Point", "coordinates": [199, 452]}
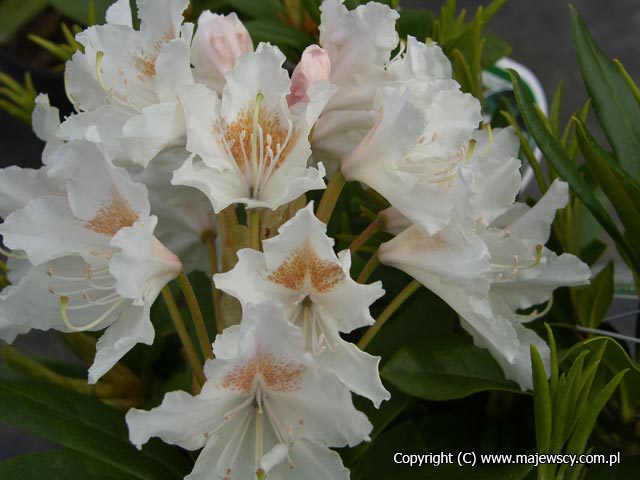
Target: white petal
{"type": "Point", "coordinates": [451, 256]}
{"type": "Point", "coordinates": [132, 326]}
{"type": "Point", "coordinates": [420, 61]}
{"type": "Point", "coordinates": [181, 420]}
{"type": "Point", "coordinates": [355, 39]}
{"type": "Point", "coordinates": [222, 188]}
{"type": "Point", "coordinates": [535, 224]}
{"type": "Point", "coordinates": [83, 89]}
{"type": "Point", "coordinates": [349, 302]}
{"type": "Point", "coordinates": [555, 271]}
{"type": "Point", "coordinates": [496, 171]}
{"type": "Point", "coordinates": [356, 369]}
{"type": "Point", "coordinates": [161, 18]}
{"type": "Point", "coordinates": [172, 70]}
{"type": "Point", "coordinates": [311, 462]}
{"type": "Point", "coordinates": [293, 233]}
{"type": "Point", "coordinates": [46, 229]}
{"type": "Point", "coordinates": [158, 126]}
{"type": "Point", "coordinates": [119, 13]}
{"type": "Point", "coordinates": [18, 186]}
{"type": "Point", "coordinates": [45, 119]}
{"type": "Point", "coordinates": [247, 282]}
{"type": "Point", "coordinates": [202, 110]}
{"type": "Point", "coordinates": [259, 72]}
{"type": "Point", "coordinates": [142, 266]}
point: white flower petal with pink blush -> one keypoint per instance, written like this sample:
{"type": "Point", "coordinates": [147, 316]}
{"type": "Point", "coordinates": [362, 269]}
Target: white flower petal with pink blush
{"type": "Point", "coordinates": [134, 73]}
{"type": "Point", "coordinates": [217, 44]}
{"type": "Point", "coordinates": [250, 147]}
{"type": "Point", "coordinates": [314, 66]}
{"type": "Point", "coordinates": [301, 272]}
{"type": "Point", "coordinates": [94, 260]}
{"type": "Point", "coordinates": [266, 407]}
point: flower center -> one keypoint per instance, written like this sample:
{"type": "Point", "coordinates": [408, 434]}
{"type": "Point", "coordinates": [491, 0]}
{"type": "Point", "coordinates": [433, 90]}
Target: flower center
{"type": "Point", "coordinates": [117, 213]}
{"type": "Point", "coordinates": [304, 271]}
{"type": "Point", "coordinates": [258, 142]}
{"type": "Point", "coordinates": [95, 289]}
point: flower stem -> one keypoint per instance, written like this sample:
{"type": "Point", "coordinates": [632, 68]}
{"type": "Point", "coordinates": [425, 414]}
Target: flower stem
{"type": "Point", "coordinates": [368, 269]}
{"type": "Point", "coordinates": [196, 315]}
{"type": "Point", "coordinates": [253, 222]}
{"type": "Point", "coordinates": [330, 197]}
{"type": "Point", "coordinates": [388, 312]}
{"type": "Point", "coordinates": [373, 228]}
{"type": "Point", "coordinates": [210, 239]}
{"type": "Point", "coordinates": [187, 344]}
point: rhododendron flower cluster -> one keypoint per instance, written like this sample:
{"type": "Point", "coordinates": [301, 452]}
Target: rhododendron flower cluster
{"type": "Point", "coordinates": [177, 135]}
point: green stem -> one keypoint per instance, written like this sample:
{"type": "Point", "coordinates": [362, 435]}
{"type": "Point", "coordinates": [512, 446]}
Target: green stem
{"type": "Point", "coordinates": [330, 197]}
{"type": "Point", "coordinates": [388, 312]}
{"type": "Point", "coordinates": [373, 228]}
{"type": "Point", "coordinates": [187, 344]}
{"type": "Point", "coordinates": [34, 369]}
{"type": "Point", "coordinates": [368, 269]}
{"type": "Point", "coordinates": [196, 315]}
{"type": "Point", "coordinates": [253, 222]}
{"type": "Point", "coordinates": [210, 238]}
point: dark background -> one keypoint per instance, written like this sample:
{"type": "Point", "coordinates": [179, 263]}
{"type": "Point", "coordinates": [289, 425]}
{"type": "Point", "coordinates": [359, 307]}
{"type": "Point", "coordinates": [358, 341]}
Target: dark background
{"type": "Point", "coordinates": [540, 34]}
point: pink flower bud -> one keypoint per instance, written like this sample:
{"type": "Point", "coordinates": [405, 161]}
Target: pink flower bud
{"type": "Point", "coordinates": [221, 39]}
{"type": "Point", "coordinates": [314, 66]}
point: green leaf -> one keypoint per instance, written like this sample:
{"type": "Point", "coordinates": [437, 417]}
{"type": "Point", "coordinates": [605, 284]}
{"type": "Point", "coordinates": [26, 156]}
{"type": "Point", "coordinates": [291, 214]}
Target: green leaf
{"type": "Point", "coordinates": [80, 11]}
{"type": "Point", "coordinates": [583, 430]}
{"type": "Point", "coordinates": [541, 402]}
{"type": "Point", "coordinates": [445, 368]}
{"type": "Point", "coordinates": [262, 9]}
{"type": "Point", "coordinates": [613, 101]}
{"type": "Point", "coordinates": [622, 190]}
{"type": "Point", "coordinates": [494, 49]}
{"type": "Point", "coordinates": [86, 426]}
{"type": "Point", "coordinates": [595, 299]}
{"type": "Point", "coordinates": [616, 359]}
{"type": "Point", "coordinates": [567, 170]}
{"type": "Point", "coordinates": [278, 34]}
{"type": "Point", "coordinates": [14, 14]}
{"type": "Point", "coordinates": [415, 22]}
{"type": "Point", "coordinates": [56, 465]}
{"type": "Point", "coordinates": [592, 251]}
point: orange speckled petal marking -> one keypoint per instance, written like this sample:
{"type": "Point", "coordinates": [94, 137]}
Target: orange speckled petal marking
{"type": "Point", "coordinates": [304, 263]}
{"type": "Point", "coordinates": [113, 216]}
{"type": "Point", "coordinates": [277, 374]}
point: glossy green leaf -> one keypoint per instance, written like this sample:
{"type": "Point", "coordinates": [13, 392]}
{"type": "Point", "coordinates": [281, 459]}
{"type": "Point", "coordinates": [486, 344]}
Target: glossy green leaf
{"type": "Point", "coordinates": [59, 465]}
{"type": "Point", "coordinates": [567, 170]}
{"type": "Point", "coordinates": [445, 368]}
{"type": "Point", "coordinates": [613, 101]}
{"type": "Point", "coordinates": [14, 14]}
{"type": "Point", "coordinates": [541, 402]}
{"type": "Point", "coordinates": [616, 359]}
{"type": "Point", "coordinates": [622, 190]}
{"type": "Point", "coordinates": [415, 22]}
{"type": "Point", "coordinates": [86, 426]}
{"type": "Point", "coordinates": [595, 299]}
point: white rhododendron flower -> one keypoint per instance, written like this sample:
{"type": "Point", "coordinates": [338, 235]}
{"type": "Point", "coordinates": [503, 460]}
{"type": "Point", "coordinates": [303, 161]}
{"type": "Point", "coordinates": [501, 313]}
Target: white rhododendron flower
{"type": "Point", "coordinates": [359, 45]}
{"type": "Point", "coordinates": [495, 265]}
{"type": "Point", "coordinates": [251, 147]}
{"type": "Point", "coordinates": [184, 214]}
{"type": "Point", "coordinates": [300, 270]}
{"type": "Point", "coordinates": [414, 153]}
{"type": "Point", "coordinates": [266, 408]}
{"type": "Point", "coordinates": [125, 81]}
{"type": "Point", "coordinates": [217, 44]}
{"type": "Point", "coordinates": [94, 262]}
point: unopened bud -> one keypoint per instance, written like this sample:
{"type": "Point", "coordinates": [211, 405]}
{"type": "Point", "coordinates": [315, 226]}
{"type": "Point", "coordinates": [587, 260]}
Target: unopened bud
{"type": "Point", "coordinates": [314, 66]}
